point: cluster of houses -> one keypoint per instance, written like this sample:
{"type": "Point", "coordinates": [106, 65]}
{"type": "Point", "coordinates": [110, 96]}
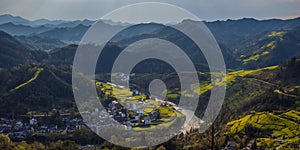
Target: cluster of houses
{"type": "Point", "coordinates": [133, 115]}
{"type": "Point", "coordinates": [130, 113]}
{"type": "Point", "coordinates": [19, 129]}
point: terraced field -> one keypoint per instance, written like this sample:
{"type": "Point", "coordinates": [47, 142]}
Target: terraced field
{"type": "Point", "coordinates": [38, 71]}
{"type": "Point", "coordinates": [229, 79]}
{"type": "Point", "coordinates": [283, 129]}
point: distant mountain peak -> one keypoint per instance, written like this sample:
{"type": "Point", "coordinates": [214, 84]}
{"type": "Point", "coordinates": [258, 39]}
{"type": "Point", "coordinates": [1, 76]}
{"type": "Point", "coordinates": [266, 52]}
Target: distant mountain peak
{"type": "Point", "coordinates": [10, 18]}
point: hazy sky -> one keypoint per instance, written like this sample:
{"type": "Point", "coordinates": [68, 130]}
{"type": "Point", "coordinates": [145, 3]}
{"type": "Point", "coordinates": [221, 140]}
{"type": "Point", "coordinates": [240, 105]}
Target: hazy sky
{"type": "Point", "coordinates": [204, 9]}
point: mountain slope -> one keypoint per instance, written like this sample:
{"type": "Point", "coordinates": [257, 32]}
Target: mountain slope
{"type": "Point", "coordinates": [12, 52]}
{"type": "Point", "coordinates": [6, 18]}
{"type": "Point", "coordinates": [152, 30]}
{"type": "Point", "coordinates": [40, 43]}
{"type": "Point", "coordinates": [66, 34]}
{"type": "Point", "coordinates": [232, 32]}
{"type": "Point", "coordinates": [63, 55]}
{"type": "Point", "coordinates": [14, 29]}
{"type": "Point", "coordinates": [270, 48]}
{"type": "Point", "coordinates": [74, 31]}
{"type": "Point", "coordinates": [40, 89]}
{"type": "Point", "coordinates": [280, 131]}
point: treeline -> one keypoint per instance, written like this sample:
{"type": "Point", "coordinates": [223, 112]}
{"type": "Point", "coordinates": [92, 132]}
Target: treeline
{"type": "Point", "coordinates": [7, 144]}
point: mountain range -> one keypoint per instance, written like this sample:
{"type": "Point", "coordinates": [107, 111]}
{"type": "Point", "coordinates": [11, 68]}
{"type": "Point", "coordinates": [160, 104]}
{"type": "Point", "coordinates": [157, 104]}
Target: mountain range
{"type": "Point", "coordinates": [263, 43]}
{"type": "Point", "coordinates": [7, 18]}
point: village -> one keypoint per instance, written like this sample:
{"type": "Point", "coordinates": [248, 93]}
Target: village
{"type": "Point", "coordinates": [19, 129]}
{"type": "Point", "coordinates": [135, 110]}
{"type": "Point", "coordinates": [134, 115]}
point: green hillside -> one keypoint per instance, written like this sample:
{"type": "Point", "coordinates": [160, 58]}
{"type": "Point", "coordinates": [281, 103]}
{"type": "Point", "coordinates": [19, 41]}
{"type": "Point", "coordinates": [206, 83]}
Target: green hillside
{"type": "Point", "coordinates": [35, 88]}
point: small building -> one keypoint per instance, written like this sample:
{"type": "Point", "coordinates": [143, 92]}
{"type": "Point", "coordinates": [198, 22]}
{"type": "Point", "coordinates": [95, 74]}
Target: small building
{"type": "Point", "coordinates": [155, 115]}
{"type": "Point", "coordinates": [135, 92]}
{"type": "Point", "coordinates": [147, 121]}
{"type": "Point", "coordinates": [147, 103]}
{"type": "Point", "coordinates": [19, 124]}
{"type": "Point", "coordinates": [33, 122]}
{"type": "Point", "coordinates": [128, 127]}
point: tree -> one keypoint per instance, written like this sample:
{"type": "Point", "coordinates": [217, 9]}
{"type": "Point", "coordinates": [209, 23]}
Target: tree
{"type": "Point", "coordinates": [63, 145]}
{"type": "Point", "coordinates": [55, 117]}
{"type": "Point", "coordinates": [161, 148]}
{"type": "Point", "coordinates": [5, 142]}
{"type": "Point", "coordinates": [38, 146]}
{"type": "Point", "coordinates": [23, 146]}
